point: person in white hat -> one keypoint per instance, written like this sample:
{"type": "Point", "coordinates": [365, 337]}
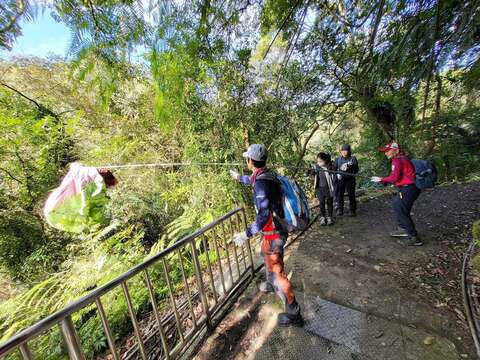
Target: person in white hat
{"type": "Point", "coordinates": [267, 194]}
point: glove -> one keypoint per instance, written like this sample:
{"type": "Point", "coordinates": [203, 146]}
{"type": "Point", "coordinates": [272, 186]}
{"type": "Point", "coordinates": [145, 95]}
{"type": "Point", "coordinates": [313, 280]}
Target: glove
{"type": "Point", "coordinates": [376, 179]}
{"type": "Point", "coordinates": [240, 238]}
{"type": "Point", "coordinates": [234, 174]}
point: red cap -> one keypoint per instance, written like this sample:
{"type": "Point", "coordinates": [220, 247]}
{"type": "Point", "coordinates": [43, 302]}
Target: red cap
{"type": "Point", "coordinates": [390, 146]}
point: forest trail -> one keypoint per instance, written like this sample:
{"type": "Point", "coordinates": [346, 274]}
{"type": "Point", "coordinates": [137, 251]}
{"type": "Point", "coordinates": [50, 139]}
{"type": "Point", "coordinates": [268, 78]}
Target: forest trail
{"type": "Point", "coordinates": [363, 295]}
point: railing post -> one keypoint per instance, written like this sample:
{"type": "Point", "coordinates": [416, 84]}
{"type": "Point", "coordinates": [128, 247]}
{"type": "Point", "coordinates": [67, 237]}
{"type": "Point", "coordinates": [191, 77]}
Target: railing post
{"type": "Point", "coordinates": [71, 339]}
{"type": "Point", "coordinates": [219, 261]}
{"type": "Point", "coordinates": [249, 247]}
{"type": "Point", "coordinates": [235, 253]}
{"type": "Point", "coordinates": [133, 318]}
{"type": "Point", "coordinates": [153, 301]}
{"type": "Point", "coordinates": [209, 266]}
{"type": "Point", "coordinates": [201, 288]}
{"type": "Point", "coordinates": [187, 287]}
{"type": "Point", "coordinates": [225, 244]}
{"type": "Point", "coordinates": [26, 353]}
{"type": "Point", "coordinates": [238, 228]}
{"type": "Point", "coordinates": [172, 299]}
{"type": "Point", "coordinates": [106, 329]}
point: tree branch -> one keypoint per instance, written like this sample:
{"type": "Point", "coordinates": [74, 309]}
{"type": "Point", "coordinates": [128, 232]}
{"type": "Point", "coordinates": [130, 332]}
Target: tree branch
{"type": "Point", "coordinates": [94, 17]}
{"type": "Point", "coordinates": [11, 175]}
{"type": "Point", "coordinates": [378, 18]}
{"type": "Point", "coordinates": [13, 20]}
{"type": "Point", "coordinates": [40, 107]}
{"type": "Point", "coordinates": [284, 22]}
{"type": "Point", "coordinates": [307, 140]}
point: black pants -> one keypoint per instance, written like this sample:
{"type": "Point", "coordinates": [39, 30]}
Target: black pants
{"type": "Point", "coordinates": [326, 200]}
{"type": "Point", "coordinates": [349, 184]}
{"type": "Point", "coordinates": [402, 205]}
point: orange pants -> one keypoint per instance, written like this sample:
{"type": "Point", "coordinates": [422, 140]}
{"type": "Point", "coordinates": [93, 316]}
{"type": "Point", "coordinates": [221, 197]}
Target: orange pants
{"type": "Point", "coordinates": [272, 252]}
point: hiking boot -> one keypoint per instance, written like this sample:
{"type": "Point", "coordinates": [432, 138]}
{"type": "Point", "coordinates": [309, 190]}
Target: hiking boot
{"type": "Point", "coordinates": [330, 221]}
{"type": "Point", "coordinates": [398, 233]}
{"type": "Point", "coordinates": [286, 319]}
{"type": "Point", "coordinates": [411, 241]}
{"type": "Point", "coordinates": [266, 287]}
{"type": "Point", "coordinates": [323, 221]}
{"type": "Point", "coordinates": [291, 316]}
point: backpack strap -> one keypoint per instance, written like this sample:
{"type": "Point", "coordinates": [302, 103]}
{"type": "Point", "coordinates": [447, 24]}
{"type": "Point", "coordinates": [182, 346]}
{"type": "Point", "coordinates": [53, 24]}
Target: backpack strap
{"type": "Point", "coordinates": [268, 175]}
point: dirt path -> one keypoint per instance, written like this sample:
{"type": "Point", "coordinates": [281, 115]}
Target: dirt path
{"type": "Point", "coordinates": [355, 264]}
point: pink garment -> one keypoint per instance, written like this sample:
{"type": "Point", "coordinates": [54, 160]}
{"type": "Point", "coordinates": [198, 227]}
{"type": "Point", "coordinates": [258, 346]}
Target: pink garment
{"type": "Point", "coordinates": [72, 184]}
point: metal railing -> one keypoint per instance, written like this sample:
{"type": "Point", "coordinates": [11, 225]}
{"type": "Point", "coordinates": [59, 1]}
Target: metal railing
{"type": "Point", "coordinates": [217, 270]}
{"type": "Point", "coordinates": [471, 297]}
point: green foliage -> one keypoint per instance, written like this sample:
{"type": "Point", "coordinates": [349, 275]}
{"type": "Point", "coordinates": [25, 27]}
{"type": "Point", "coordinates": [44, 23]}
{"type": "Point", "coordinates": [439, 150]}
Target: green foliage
{"type": "Point", "coordinates": [20, 236]}
{"type": "Point", "coordinates": [201, 91]}
{"type": "Point", "coordinates": [12, 12]}
{"type": "Point", "coordinates": [83, 271]}
{"type": "Point", "coordinates": [276, 12]}
{"type": "Point", "coordinates": [33, 149]}
{"type": "Point", "coordinates": [476, 231]}
{"type": "Point", "coordinates": [169, 74]}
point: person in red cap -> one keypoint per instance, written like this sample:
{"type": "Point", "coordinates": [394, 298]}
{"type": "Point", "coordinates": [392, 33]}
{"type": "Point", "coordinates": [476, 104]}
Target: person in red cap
{"type": "Point", "coordinates": [403, 177]}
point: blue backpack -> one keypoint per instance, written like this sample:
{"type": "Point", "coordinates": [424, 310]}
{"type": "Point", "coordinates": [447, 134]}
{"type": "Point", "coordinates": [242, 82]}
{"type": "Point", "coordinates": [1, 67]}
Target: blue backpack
{"type": "Point", "coordinates": [295, 204]}
{"type": "Point", "coordinates": [426, 174]}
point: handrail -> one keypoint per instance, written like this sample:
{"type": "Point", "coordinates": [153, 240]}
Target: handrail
{"type": "Point", "coordinates": [63, 316]}
{"type": "Point", "coordinates": [467, 303]}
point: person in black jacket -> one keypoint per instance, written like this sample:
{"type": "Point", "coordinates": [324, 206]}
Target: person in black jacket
{"type": "Point", "coordinates": [346, 163]}
{"type": "Point", "coordinates": [324, 185]}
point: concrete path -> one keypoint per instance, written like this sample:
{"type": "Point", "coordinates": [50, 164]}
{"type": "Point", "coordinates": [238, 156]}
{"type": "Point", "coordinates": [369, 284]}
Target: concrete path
{"type": "Point", "coordinates": [363, 296]}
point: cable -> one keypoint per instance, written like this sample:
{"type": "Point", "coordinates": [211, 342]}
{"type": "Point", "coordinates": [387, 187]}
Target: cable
{"type": "Point", "coordinates": [167, 165]}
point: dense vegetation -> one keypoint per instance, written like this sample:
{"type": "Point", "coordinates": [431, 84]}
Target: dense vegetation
{"type": "Point", "coordinates": [198, 81]}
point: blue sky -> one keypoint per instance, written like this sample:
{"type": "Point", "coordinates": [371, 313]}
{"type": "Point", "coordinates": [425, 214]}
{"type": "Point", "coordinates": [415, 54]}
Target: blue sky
{"type": "Point", "coordinates": [42, 37]}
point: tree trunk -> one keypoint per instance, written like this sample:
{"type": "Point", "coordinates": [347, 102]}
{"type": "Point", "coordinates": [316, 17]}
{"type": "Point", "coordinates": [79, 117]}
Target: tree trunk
{"type": "Point", "coordinates": [430, 144]}
{"type": "Point", "coordinates": [380, 112]}
{"type": "Point", "coordinates": [304, 149]}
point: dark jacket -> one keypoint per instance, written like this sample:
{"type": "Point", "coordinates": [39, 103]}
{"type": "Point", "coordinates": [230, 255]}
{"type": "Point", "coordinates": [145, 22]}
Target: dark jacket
{"type": "Point", "coordinates": [347, 164]}
{"type": "Point", "coordinates": [267, 197]}
{"type": "Point", "coordinates": [321, 184]}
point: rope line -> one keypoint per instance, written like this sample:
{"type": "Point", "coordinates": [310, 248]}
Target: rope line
{"type": "Point", "coordinates": [167, 165]}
